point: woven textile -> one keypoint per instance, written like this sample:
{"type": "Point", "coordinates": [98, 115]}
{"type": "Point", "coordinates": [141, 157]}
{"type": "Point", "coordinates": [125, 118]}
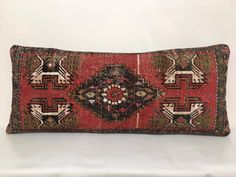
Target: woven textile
{"type": "Point", "coordinates": [161, 92]}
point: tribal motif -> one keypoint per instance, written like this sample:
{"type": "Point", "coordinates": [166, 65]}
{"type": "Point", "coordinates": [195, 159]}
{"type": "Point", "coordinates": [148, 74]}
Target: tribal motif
{"type": "Point", "coordinates": [115, 93]}
{"type": "Point", "coordinates": [183, 71]}
{"type": "Point", "coordinates": [50, 69]}
{"type": "Point", "coordinates": [173, 113]}
{"type": "Point", "coordinates": [186, 67]}
{"type": "Point", "coordinates": [50, 115]}
{"type": "Point", "coordinates": [160, 92]}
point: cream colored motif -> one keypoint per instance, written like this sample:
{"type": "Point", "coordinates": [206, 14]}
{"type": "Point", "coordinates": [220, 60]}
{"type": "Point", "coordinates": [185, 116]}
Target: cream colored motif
{"type": "Point", "coordinates": [197, 74]}
{"type": "Point", "coordinates": [195, 110]}
{"type": "Point", "coordinates": [62, 111]}
{"type": "Point", "coordinates": [63, 75]}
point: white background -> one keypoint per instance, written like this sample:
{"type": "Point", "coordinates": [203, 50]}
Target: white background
{"type": "Point", "coordinates": [116, 26]}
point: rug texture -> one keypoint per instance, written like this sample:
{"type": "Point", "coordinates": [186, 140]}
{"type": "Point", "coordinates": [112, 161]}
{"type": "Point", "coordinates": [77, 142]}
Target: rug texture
{"type": "Point", "coordinates": [162, 92]}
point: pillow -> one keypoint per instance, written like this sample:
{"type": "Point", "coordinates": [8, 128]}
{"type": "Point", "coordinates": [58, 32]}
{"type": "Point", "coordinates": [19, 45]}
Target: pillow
{"type": "Point", "coordinates": [179, 91]}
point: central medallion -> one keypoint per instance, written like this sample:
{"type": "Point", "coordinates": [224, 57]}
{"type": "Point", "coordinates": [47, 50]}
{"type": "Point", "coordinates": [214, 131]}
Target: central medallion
{"type": "Point", "coordinates": [115, 93]}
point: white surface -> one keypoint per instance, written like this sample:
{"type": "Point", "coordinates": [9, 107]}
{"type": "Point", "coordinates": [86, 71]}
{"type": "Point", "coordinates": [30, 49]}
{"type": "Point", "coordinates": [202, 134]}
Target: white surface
{"type": "Point", "coordinates": [116, 26]}
{"type": "Point", "coordinates": [74, 154]}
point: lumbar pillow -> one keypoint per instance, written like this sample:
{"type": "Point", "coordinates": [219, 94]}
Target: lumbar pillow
{"type": "Point", "coordinates": [162, 92]}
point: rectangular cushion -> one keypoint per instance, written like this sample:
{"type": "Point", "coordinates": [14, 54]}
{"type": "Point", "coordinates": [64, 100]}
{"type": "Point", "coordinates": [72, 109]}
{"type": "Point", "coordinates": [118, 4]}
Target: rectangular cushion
{"type": "Point", "coordinates": [162, 92]}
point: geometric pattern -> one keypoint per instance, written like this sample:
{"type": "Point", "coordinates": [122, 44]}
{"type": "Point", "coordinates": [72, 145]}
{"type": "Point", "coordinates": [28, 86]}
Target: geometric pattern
{"type": "Point", "coordinates": [50, 70]}
{"type": "Point", "coordinates": [186, 67]}
{"type": "Point", "coordinates": [170, 91]}
{"type": "Point", "coordinates": [51, 116]}
{"type": "Point", "coordinates": [115, 93]}
{"type": "Point", "coordinates": [184, 71]}
{"type": "Point", "coordinates": [173, 111]}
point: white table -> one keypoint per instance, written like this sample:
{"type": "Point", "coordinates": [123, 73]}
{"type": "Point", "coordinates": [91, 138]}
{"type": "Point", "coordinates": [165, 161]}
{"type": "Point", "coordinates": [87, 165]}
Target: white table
{"type": "Point", "coordinates": [116, 155]}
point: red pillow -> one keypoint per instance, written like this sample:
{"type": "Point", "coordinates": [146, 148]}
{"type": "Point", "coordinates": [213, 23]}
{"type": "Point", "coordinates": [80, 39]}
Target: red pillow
{"type": "Point", "coordinates": [162, 92]}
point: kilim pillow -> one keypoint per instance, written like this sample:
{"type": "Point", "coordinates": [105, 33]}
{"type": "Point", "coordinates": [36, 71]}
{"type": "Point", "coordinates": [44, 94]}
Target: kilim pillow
{"type": "Point", "coordinates": [162, 92]}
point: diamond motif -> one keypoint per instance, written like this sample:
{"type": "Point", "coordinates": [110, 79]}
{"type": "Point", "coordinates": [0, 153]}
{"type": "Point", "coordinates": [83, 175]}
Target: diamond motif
{"type": "Point", "coordinates": [115, 93]}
